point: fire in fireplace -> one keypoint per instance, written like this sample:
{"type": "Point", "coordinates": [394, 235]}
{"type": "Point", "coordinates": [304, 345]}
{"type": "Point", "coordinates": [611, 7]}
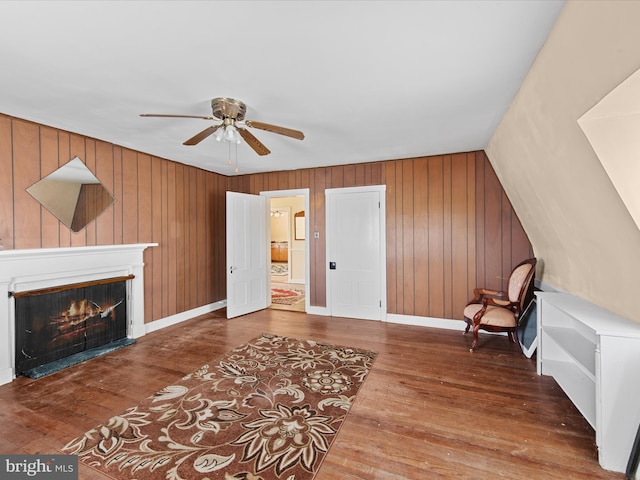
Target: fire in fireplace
{"type": "Point", "coordinates": [58, 322]}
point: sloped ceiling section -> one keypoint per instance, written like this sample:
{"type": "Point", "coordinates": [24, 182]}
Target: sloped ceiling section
{"type": "Point", "coordinates": [613, 129]}
{"type": "Point", "coordinates": [580, 229]}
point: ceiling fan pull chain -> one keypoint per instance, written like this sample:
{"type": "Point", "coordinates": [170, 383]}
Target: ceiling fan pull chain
{"type": "Point", "coordinates": [236, 158]}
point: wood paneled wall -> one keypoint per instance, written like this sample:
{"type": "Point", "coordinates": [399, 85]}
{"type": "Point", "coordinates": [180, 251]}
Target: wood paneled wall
{"type": "Point", "coordinates": [157, 200]}
{"type": "Point", "coordinates": [449, 227]}
{"type": "Point", "coordinates": [449, 224]}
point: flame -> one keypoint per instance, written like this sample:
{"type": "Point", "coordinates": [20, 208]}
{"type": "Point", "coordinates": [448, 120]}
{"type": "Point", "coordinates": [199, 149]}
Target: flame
{"type": "Point", "coordinates": [81, 309]}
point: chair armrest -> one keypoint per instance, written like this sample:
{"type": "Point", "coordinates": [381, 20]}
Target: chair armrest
{"type": "Point", "coordinates": [498, 302]}
{"type": "Point", "coordinates": [481, 293]}
{"type": "Point", "coordinates": [490, 293]}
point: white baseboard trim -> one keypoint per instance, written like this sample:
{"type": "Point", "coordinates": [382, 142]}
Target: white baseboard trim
{"type": "Point", "coordinates": [183, 316]}
{"type": "Point", "coordinates": [6, 376]}
{"type": "Point", "coordinates": [426, 321]}
{"type": "Point", "coordinates": [431, 322]}
{"type": "Point", "coordinates": [324, 311]}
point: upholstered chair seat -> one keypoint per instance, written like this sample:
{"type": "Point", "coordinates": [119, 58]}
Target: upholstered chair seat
{"type": "Point", "coordinates": [497, 311]}
{"type": "Point", "coordinates": [498, 316]}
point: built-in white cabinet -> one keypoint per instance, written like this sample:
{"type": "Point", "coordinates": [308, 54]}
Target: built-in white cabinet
{"type": "Point", "coordinates": [594, 355]}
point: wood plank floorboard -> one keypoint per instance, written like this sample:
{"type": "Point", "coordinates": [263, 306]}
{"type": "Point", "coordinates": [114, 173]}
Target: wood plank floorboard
{"type": "Point", "coordinates": [428, 409]}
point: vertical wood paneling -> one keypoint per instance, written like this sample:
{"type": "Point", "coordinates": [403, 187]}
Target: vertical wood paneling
{"type": "Point", "coordinates": [493, 230]}
{"type": "Point", "coordinates": [449, 210]}
{"type": "Point", "coordinates": [472, 237]}
{"type": "Point", "coordinates": [436, 237]}
{"type": "Point", "coordinates": [336, 176]}
{"type": "Point", "coordinates": [272, 181]}
{"type": "Point", "coordinates": [192, 218]}
{"type": "Point", "coordinates": [6, 185]}
{"type": "Point", "coordinates": [361, 175]}
{"type": "Point", "coordinates": [501, 242]}
{"type": "Point", "coordinates": [391, 238]}
{"type": "Point", "coordinates": [208, 235]}
{"type": "Point", "coordinates": [130, 196]}
{"type": "Point", "coordinates": [145, 224]}
{"type": "Point", "coordinates": [165, 242]}
{"type": "Point", "coordinates": [90, 161]}
{"type": "Point", "coordinates": [201, 236]}
{"type": "Point", "coordinates": [302, 178]}
{"type": "Point", "coordinates": [408, 259]}
{"type": "Point", "coordinates": [26, 169]}
{"type": "Point", "coordinates": [117, 194]}
{"type": "Point", "coordinates": [449, 225]}
{"type": "Point", "coordinates": [181, 240]}
{"type": "Point", "coordinates": [145, 199]}
{"type": "Point", "coordinates": [421, 236]}
{"type": "Point", "coordinates": [48, 164]}
{"type": "Point", "coordinates": [399, 240]}
{"type": "Point", "coordinates": [462, 233]}
{"type": "Point", "coordinates": [479, 187]}
{"type": "Point", "coordinates": [104, 171]}
{"type": "Point", "coordinates": [220, 232]}
{"type": "Point", "coordinates": [172, 239]}
{"type": "Point", "coordinates": [376, 174]}
{"type": "Point", "coordinates": [520, 242]}
{"type": "Point", "coordinates": [157, 253]}
{"type": "Point", "coordinates": [349, 176]}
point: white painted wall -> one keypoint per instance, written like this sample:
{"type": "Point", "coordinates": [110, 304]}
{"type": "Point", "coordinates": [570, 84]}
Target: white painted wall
{"type": "Point", "coordinates": [584, 236]}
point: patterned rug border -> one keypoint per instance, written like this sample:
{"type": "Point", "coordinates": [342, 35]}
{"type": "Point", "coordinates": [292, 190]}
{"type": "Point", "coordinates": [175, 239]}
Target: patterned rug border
{"type": "Point", "coordinates": [299, 462]}
{"type": "Point", "coordinates": [289, 300]}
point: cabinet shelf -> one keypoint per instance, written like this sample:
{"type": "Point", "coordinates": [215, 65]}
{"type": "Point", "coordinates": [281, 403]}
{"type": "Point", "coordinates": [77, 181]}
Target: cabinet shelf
{"type": "Point", "coordinates": [579, 387]}
{"type": "Point", "coordinates": [594, 356]}
{"type": "Point", "coordinates": [581, 349]}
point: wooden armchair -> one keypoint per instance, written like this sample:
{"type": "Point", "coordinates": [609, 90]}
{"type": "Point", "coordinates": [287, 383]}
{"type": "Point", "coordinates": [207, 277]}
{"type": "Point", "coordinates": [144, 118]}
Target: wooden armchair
{"type": "Point", "coordinates": [497, 311]}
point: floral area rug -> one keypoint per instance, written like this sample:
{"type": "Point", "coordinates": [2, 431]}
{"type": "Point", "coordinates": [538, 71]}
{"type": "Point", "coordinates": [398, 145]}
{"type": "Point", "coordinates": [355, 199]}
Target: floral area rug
{"type": "Point", "coordinates": [267, 410]}
{"type": "Point", "coordinates": [285, 294]}
{"type": "Point", "coordinates": [279, 269]}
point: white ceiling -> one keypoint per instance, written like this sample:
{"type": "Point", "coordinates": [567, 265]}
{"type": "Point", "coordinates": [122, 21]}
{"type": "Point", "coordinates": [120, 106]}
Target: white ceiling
{"type": "Point", "coordinates": [364, 80]}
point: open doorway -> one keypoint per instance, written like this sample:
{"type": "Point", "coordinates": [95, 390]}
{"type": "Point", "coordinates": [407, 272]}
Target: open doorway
{"type": "Point", "coordinates": [288, 253]}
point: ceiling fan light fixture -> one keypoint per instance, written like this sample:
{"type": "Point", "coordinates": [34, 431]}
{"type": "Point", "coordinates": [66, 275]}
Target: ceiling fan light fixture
{"type": "Point", "coordinates": [231, 113]}
{"type": "Point", "coordinates": [230, 133]}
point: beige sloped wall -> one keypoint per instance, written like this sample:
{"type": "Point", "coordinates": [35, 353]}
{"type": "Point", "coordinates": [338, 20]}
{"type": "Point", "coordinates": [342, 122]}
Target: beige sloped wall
{"type": "Point", "coordinates": [581, 231]}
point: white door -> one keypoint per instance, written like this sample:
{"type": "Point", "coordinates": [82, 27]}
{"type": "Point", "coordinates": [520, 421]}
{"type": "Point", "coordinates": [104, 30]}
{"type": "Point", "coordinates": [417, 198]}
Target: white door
{"type": "Point", "coordinates": [246, 254]}
{"type": "Point", "coordinates": [355, 253]}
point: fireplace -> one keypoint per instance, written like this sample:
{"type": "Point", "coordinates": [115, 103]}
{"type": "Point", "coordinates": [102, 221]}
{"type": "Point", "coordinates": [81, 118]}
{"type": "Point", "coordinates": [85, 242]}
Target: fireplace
{"type": "Point", "coordinates": [54, 323]}
{"type": "Point", "coordinates": [23, 272]}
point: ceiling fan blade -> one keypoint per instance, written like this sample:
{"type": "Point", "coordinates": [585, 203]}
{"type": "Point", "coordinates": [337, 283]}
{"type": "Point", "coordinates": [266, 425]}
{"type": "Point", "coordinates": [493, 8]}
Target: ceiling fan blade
{"type": "Point", "coordinates": [289, 132]}
{"type": "Point", "coordinates": [168, 115]}
{"type": "Point", "coordinates": [198, 137]}
{"type": "Point", "coordinates": [253, 142]}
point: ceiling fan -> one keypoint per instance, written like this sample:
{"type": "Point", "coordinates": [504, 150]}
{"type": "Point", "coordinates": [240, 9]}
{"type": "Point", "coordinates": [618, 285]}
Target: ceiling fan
{"type": "Point", "coordinates": [231, 112]}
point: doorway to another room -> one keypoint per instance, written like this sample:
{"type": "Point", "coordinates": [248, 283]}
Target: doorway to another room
{"type": "Point", "coordinates": [288, 253]}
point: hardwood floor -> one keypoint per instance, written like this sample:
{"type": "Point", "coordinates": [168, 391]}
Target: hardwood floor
{"type": "Point", "coordinates": [428, 409]}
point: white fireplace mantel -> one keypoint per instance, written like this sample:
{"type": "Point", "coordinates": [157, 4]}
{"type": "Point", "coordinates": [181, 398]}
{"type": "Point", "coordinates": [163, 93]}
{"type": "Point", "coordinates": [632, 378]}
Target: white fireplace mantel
{"type": "Point", "coordinates": [25, 270]}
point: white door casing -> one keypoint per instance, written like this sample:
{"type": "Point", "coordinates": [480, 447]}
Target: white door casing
{"type": "Point", "coordinates": [247, 265]}
{"type": "Point", "coordinates": [356, 287]}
